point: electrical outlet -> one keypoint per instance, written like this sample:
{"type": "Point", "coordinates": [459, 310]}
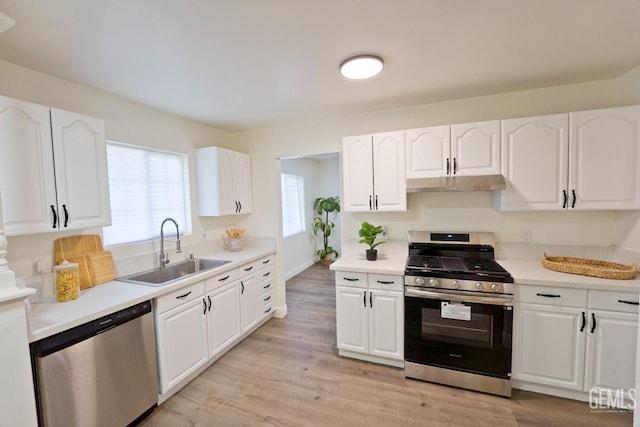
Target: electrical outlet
{"type": "Point", "coordinates": [203, 235]}
{"type": "Point", "coordinates": [525, 235]}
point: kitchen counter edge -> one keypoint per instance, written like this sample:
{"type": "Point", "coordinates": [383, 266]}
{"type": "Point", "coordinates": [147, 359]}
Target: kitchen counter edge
{"type": "Point", "coordinates": [49, 318]}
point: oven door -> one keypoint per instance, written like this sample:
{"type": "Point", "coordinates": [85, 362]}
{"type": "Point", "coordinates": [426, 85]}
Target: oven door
{"type": "Point", "coordinates": [459, 331]}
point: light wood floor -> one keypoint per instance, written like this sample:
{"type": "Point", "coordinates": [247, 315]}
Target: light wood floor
{"type": "Point", "coordinates": [287, 373]}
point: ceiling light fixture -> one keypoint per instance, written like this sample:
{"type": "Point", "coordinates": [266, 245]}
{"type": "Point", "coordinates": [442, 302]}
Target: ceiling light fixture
{"type": "Point", "coordinates": [361, 67]}
{"type": "Point", "coordinates": [5, 22]}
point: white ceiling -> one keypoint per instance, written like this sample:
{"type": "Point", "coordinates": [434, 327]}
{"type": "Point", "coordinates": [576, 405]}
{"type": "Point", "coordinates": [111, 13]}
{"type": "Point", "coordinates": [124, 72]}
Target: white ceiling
{"type": "Point", "coordinates": [244, 64]}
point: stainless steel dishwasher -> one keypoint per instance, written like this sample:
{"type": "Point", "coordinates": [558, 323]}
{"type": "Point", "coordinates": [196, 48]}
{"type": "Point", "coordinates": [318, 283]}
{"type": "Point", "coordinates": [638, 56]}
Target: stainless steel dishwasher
{"type": "Point", "coordinates": [101, 373]}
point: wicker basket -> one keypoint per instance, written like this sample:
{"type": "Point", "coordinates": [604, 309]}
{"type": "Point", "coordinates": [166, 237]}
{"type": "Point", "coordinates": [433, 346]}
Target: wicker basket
{"type": "Point", "coordinates": [590, 267]}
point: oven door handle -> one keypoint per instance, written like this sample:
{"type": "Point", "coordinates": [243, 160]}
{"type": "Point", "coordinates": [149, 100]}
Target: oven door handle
{"type": "Point", "coordinates": [493, 300]}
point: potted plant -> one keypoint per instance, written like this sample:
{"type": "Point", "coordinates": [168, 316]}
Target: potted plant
{"type": "Point", "coordinates": [321, 224]}
{"type": "Point", "coordinates": [368, 234]}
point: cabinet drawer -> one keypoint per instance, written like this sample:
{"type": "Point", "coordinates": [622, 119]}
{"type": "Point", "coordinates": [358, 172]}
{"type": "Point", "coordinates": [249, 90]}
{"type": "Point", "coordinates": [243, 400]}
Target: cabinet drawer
{"type": "Point", "coordinates": [221, 279]}
{"type": "Point", "coordinates": [267, 310]}
{"type": "Point", "coordinates": [265, 287]}
{"type": "Point", "coordinates": [265, 274]}
{"type": "Point", "coordinates": [348, 278]}
{"type": "Point", "coordinates": [568, 297]}
{"type": "Point", "coordinates": [266, 299]}
{"type": "Point", "coordinates": [266, 261]}
{"type": "Point", "coordinates": [247, 269]}
{"type": "Point", "coordinates": [178, 297]}
{"type": "Point", "coordinates": [626, 302]}
{"type": "Point", "coordinates": [386, 282]}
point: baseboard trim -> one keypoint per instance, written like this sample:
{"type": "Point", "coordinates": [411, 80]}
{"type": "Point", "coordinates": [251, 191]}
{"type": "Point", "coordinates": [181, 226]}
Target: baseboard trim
{"type": "Point", "coordinates": [299, 269]}
{"type": "Point", "coordinates": [280, 312]}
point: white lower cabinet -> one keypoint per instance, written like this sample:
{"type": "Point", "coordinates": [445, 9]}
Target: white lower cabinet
{"type": "Point", "coordinates": [575, 343]}
{"type": "Point", "coordinates": [198, 323]}
{"type": "Point", "coordinates": [370, 317]}
{"type": "Point", "coordinates": [223, 317]}
{"type": "Point", "coordinates": [181, 333]}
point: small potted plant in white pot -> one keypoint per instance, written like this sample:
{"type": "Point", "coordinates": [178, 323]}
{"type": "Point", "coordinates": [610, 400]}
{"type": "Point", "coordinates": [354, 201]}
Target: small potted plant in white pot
{"type": "Point", "coordinates": [368, 234]}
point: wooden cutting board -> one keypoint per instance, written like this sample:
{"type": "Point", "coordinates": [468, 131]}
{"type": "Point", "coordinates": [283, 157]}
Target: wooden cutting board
{"type": "Point", "coordinates": [95, 265]}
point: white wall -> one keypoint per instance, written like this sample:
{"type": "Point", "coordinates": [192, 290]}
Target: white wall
{"type": "Point", "coordinates": [299, 251]}
{"type": "Point", "coordinates": [126, 121]}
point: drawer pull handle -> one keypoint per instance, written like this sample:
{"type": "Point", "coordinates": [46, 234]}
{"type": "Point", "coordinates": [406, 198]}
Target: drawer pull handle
{"type": "Point", "coordinates": [248, 269]}
{"type": "Point", "coordinates": [349, 279]}
{"type": "Point", "coordinates": [183, 296]}
{"type": "Point", "coordinates": [364, 298]}
{"type": "Point", "coordinates": [266, 262]}
{"type": "Point", "coordinates": [384, 282]}
{"type": "Point", "coordinates": [205, 306]}
{"type": "Point", "coordinates": [267, 298]}
{"type": "Point", "coordinates": [621, 301]}
{"type": "Point", "coordinates": [242, 284]}
{"type": "Point", "coordinates": [548, 295]}
{"type": "Point", "coordinates": [209, 298]}
{"type": "Point", "coordinates": [223, 279]}
{"type": "Point", "coordinates": [267, 286]}
{"type": "Point", "coordinates": [267, 310]}
{"type": "Point", "coordinates": [593, 327]}
{"type": "Point", "coordinates": [266, 274]}
{"type": "Point", "coordinates": [584, 322]}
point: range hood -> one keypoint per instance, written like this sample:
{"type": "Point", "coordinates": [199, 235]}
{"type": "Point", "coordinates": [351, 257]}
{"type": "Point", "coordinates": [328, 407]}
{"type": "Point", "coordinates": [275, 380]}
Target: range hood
{"type": "Point", "coordinates": [456, 183]}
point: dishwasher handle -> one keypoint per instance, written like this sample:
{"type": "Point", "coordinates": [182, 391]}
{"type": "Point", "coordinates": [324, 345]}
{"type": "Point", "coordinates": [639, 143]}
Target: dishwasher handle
{"type": "Point", "coordinates": [72, 336]}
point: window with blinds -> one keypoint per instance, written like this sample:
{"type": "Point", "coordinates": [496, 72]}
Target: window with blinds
{"type": "Point", "coordinates": [292, 204]}
{"type": "Point", "coordinates": [146, 186]}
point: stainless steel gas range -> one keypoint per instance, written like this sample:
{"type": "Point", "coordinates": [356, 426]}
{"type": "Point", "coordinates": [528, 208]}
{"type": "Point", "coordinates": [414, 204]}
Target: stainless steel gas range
{"type": "Point", "coordinates": [458, 312]}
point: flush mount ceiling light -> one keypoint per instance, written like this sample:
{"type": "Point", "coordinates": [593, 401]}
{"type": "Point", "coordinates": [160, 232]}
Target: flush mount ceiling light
{"type": "Point", "coordinates": [361, 67]}
{"type": "Point", "coordinates": [5, 22]}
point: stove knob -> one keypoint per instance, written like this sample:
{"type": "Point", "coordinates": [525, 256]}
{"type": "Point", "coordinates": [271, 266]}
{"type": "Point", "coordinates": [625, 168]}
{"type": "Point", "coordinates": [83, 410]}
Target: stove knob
{"type": "Point", "coordinates": [455, 284]}
{"type": "Point", "coordinates": [433, 282]}
{"type": "Point", "coordinates": [495, 287]}
{"type": "Point", "coordinates": [479, 286]}
{"type": "Point", "coordinates": [419, 281]}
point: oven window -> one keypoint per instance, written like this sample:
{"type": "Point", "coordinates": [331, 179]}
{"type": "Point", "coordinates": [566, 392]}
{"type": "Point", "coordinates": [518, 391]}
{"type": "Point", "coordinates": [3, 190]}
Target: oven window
{"type": "Point", "coordinates": [476, 332]}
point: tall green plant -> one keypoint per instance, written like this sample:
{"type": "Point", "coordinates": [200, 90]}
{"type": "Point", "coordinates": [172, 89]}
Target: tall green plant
{"type": "Point", "coordinates": [321, 224]}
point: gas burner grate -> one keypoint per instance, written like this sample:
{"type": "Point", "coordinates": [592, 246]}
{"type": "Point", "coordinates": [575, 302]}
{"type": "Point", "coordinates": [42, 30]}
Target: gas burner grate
{"type": "Point", "coordinates": [421, 261]}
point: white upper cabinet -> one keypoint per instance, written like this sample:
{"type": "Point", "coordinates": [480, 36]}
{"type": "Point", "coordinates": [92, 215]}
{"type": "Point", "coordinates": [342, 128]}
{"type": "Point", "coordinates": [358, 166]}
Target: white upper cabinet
{"type": "Point", "coordinates": [461, 149]}
{"type": "Point", "coordinates": [603, 159]}
{"type": "Point", "coordinates": [224, 182]}
{"type": "Point", "coordinates": [428, 151]}
{"type": "Point", "coordinates": [38, 194]}
{"type": "Point", "coordinates": [534, 162]}
{"type": "Point", "coordinates": [475, 148]}
{"type": "Point", "coordinates": [583, 160]}
{"type": "Point", "coordinates": [373, 172]}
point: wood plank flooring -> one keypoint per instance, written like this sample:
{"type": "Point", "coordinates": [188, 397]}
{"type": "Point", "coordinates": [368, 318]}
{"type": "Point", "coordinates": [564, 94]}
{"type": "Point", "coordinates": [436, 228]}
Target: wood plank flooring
{"type": "Point", "coordinates": [287, 373]}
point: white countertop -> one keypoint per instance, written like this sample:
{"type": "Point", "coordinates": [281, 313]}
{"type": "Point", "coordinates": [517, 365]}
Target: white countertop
{"type": "Point", "coordinates": [51, 317]}
{"type": "Point", "coordinates": [533, 273]}
{"type": "Point", "coordinates": [392, 258]}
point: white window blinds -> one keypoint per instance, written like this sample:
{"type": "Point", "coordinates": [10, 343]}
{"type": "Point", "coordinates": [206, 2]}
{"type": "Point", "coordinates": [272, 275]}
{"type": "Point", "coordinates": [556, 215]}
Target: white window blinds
{"type": "Point", "coordinates": [292, 204]}
{"type": "Point", "coordinates": [146, 186]}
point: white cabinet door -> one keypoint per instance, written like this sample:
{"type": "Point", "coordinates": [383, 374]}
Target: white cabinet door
{"type": "Point", "coordinates": [224, 182]}
{"type": "Point", "coordinates": [603, 159]}
{"type": "Point", "coordinates": [352, 319]}
{"type": "Point", "coordinates": [428, 151]}
{"type": "Point", "coordinates": [534, 154]}
{"type": "Point", "coordinates": [223, 314]}
{"type": "Point", "coordinates": [611, 350]}
{"type": "Point", "coordinates": [386, 324]}
{"type": "Point", "coordinates": [389, 185]}
{"type": "Point", "coordinates": [82, 181]}
{"type": "Point", "coordinates": [550, 345]}
{"type": "Point", "coordinates": [27, 180]}
{"type": "Point", "coordinates": [475, 148]}
{"type": "Point", "coordinates": [182, 342]}
{"type": "Point", "coordinates": [243, 182]}
{"type": "Point", "coordinates": [357, 173]}
{"type": "Point", "coordinates": [248, 302]}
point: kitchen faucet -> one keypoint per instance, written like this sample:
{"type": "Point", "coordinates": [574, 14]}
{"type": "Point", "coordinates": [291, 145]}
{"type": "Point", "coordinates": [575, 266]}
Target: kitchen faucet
{"type": "Point", "coordinates": [164, 258]}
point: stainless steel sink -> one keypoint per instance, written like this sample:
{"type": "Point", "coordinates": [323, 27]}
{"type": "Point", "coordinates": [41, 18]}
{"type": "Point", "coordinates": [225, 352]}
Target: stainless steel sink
{"type": "Point", "coordinates": [172, 272]}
